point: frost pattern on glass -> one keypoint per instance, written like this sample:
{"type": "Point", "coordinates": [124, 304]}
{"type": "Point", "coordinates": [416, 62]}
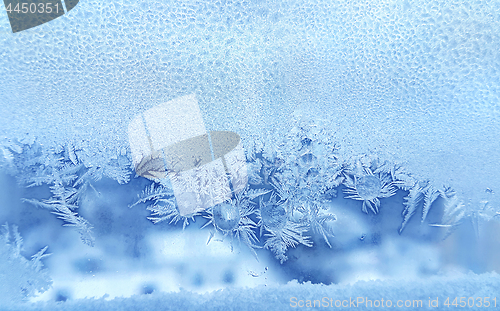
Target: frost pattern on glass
{"type": "Point", "coordinates": [164, 205]}
{"type": "Point", "coordinates": [21, 278]}
{"type": "Point", "coordinates": [69, 174]}
{"type": "Point", "coordinates": [234, 218]}
{"type": "Point", "coordinates": [286, 202]}
{"type": "Point", "coordinates": [361, 184]}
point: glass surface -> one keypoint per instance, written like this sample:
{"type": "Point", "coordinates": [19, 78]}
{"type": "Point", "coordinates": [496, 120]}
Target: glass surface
{"type": "Point", "coordinates": [162, 150]}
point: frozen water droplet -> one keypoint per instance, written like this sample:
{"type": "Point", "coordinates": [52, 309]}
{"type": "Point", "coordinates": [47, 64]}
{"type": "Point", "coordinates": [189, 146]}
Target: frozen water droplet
{"type": "Point", "coordinates": [226, 216]}
{"type": "Point", "coordinates": [273, 216]}
{"type": "Point", "coordinates": [368, 187]}
{"type": "Point", "coordinates": [254, 274]}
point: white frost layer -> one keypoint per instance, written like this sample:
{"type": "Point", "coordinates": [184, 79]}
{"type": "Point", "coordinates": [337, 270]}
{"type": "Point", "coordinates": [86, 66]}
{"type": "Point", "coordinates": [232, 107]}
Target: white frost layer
{"type": "Point", "coordinates": [292, 294]}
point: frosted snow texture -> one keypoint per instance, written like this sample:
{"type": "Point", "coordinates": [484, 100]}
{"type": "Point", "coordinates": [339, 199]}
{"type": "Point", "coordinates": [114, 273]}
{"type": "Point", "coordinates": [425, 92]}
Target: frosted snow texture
{"type": "Point", "coordinates": [281, 297]}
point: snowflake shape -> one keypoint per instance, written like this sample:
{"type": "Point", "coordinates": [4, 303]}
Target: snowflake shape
{"type": "Point", "coordinates": [368, 188]}
{"type": "Point", "coordinates": [282, 232]}
{"type": "Point", "coordinates": [164, 207]}
{"type": "Point", "coordinates": [233, 218]}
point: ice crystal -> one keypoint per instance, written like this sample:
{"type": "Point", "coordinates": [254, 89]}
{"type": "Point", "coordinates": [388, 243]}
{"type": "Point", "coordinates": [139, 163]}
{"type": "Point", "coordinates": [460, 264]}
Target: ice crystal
{"type": "Point", "coordinates": [262, 165]}
{"type": "Point", "coordinates": [310, 170]}
{"type": "Point", "coordinates": [484, 214]}
{"type": "Point", "coordinates": [21, 278]}
{"type": "Point", "coordinates": [400, 178]}
{"type": "Point", "coordinates": [430, 195]}
{"type": "Point", "coordinates": [320, 221]}
{"type": "Point", "coordinates": [69, 172]}
{"type": "Point", "coordinates": [303, 173]}
{"type": "Point", "coordinates": [234, 218]}
{"type": "Point", "coordinates": [57, 169]}
{"type": "Point", "coordinates": [454, 212]}
{"type": "Point", "coordinates": [412, 201]}
{"type": "Point", "coordinates": [363, 185]}
{"type": "Point", "coordinates": [417, 190]}
{"type": "Point", "coordinates": [280, 231]}
{"type": "Point", "coordinates": [287, 201]}
{"type": "Point", "coordinates": [164, 206]}
{"type": "Point", "coordinates": [61, 205]}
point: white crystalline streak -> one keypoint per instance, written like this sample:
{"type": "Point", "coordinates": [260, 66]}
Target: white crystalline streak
{"type": "Point", "coordinates": [416, 81]}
